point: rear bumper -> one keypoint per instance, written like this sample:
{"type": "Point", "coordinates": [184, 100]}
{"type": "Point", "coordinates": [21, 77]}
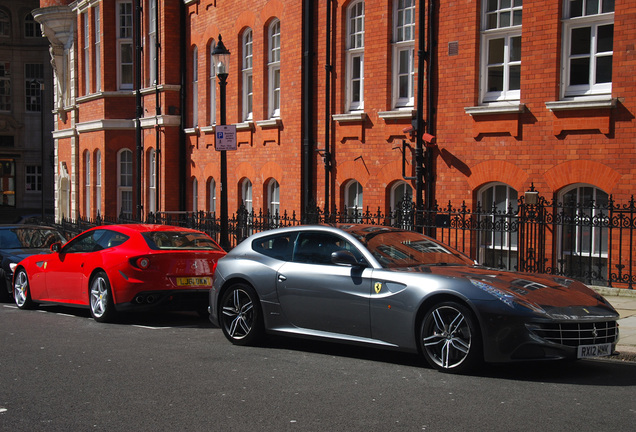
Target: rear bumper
{"type": "Point", "coordinates": [181, 300]}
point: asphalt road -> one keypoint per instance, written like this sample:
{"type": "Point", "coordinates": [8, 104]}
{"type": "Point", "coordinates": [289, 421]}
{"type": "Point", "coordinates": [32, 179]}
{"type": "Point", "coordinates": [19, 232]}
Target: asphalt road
{"type": "Point", "coordinates": [62, 371]}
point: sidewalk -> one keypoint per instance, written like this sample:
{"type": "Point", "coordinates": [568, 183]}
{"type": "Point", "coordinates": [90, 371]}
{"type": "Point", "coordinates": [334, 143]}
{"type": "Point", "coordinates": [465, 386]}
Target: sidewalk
{"type": "Point", "coordinates": [624, 301]}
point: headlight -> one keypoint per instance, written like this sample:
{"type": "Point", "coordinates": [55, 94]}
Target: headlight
{"type": "Point", "coordinates": [12, 266]}
{"type": "Point", "coordinates": [505, 297]}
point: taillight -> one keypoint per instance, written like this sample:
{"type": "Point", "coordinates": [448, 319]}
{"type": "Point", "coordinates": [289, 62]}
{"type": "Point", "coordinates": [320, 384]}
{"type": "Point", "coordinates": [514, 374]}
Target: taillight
{"type": "Point", "coordinates": [143, 263]}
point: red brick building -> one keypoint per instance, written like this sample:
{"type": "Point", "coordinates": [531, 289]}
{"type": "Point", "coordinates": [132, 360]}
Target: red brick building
{"type": "Point", "coordinates": [517, 95]}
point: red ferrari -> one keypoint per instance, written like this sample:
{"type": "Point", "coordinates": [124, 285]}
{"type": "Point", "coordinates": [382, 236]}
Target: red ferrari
{"type": "Point", "coordinates": [115, 268]}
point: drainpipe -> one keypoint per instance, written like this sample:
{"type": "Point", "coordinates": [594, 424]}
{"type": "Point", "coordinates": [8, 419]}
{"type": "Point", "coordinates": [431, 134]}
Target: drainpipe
{"type": "Point", "coordinates": [157, 110]}
{"type": "Point", "coordinates": [419, 159]}
{"type": "Point", "coordinates": [182, 137]}
{"type": "Point", "coordinates": [139, 107]}
{"type": "Point", "coordinates": [430, 109]}
{"type": "Point", "coordinates": [307, 117]}
{"type": "Point", "coordinates": [328, 75]}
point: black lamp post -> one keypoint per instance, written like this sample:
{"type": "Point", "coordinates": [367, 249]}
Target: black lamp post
{"type": "Point", "coordinates": [221, 56]}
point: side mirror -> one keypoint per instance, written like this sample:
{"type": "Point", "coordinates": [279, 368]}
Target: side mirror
{"type": "Point", "coordinates": [345, 258]}
{"type": "Point", "coordinates": [56, 247]}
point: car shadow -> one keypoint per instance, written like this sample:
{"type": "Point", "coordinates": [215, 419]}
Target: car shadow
{"type": "Point", "coordinates": [148, 319]}
{"type": "Point", "coordinates": [591, 372]}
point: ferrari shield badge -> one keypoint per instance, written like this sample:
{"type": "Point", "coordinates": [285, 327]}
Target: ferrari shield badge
{"type": "Point", "coordinates": [378, 287]}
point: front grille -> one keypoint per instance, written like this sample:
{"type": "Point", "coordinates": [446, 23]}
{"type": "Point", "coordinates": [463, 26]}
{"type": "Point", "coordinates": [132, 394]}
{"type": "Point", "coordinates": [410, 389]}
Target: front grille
{"type": "Point", "coordinates": [575, 334]}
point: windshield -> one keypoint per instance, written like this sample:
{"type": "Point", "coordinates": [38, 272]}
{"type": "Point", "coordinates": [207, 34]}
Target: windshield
{"type": "Point", "coordinates": [409, 249]}
{"type": "Point", "coordinates": [29, 238]}
{"type": "Point", "coordinates": [175, 240]}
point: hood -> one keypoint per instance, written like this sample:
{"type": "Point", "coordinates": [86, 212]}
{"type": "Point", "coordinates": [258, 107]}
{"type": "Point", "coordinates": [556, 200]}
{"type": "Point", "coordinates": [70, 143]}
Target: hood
{"type": "Point", "coordinates": [556, 296]}
{"type": "Point", "coordinates": [17, 255]}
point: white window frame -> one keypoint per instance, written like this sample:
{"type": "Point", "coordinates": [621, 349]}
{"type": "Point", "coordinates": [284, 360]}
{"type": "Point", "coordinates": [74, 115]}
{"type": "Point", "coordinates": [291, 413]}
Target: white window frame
{"type": "Point", "coordinates": [98, 47]}
{"type": "Point", "coordinates": [247, 78]}
{"type": "Point", "coordinates": [499, 24]}
{"type": "Point", "coordinates": [195, 87]}
{"type": "Point", "coordinates": [273, 69]}
{"type": "Point", "coordinates": [403, 48]}
{"type": "Point", "coordinates": [212, 80]}
{"type": "Point", "coordinates": [273, 198]}
{"type": "Point", "coordinates": [354, 198]}
{"type": "Point", "coordinates": [152, 181]}
{"type": "Point", "coordinates": [212, 195]}
{"type": "Point", "coordinates": [124, 28]}
{"type": "Point", "coordinates": [592, 20]}
{"type": "Point", "coordinates": [597, 250]}
{"type": "Point", "coordinates": [195, 194]}
{"type": "Point", "coordinates": [355, 57]}
{"type": "Point", "coordinates": [246, 194]}
{"type": "Point", "coordinates": [87, 53]}
{"type": "Point", "coordinates": [399, 191]}
{"type": "Point", "coordinates": [124, 182]}
{"type": "Point", "coordinates": [152, 42]}
{"type": "Point", "coordinates": [98, 182]}
{"type": "Point", "coordinates": [87, 183]}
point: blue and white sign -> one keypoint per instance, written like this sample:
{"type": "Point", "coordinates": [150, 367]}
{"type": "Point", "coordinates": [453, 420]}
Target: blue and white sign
{"type": "Point", "coordinates": [225, 138]}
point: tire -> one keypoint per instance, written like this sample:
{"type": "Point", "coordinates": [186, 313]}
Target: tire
{"type": "Point", "coordinates": [101, 298]}
{"type": "Point", "coordinates": [241, 318]}
{"type": "Point", "coordinates": [22, 290]}
{"type": "Point", "coordinates": [450, 339]}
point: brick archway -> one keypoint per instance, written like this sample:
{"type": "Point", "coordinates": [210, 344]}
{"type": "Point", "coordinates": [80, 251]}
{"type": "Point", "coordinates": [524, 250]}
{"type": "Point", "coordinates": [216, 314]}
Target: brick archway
{"type": "Point", "coordinates": [582, 171]}
{"type": "Point", "coordinates": [497, 171]}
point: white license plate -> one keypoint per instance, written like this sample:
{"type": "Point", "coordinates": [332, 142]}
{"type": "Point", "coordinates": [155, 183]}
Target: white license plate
{"type": "Point", "coordinates": [598, 350]}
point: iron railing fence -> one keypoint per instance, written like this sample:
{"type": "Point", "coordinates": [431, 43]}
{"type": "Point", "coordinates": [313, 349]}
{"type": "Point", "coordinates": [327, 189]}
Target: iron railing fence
{"type": "Point", "coordinates": [592, 242]}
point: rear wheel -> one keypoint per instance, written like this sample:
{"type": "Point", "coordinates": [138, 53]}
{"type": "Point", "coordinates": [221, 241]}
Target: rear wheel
{"type": "Point", "coordinates": [241, 318]}
{"type": "Point", "coordinates": [450, 339]}
{"type": "Point", "coordinates": [22, 290]}
{"type": "Point", "coordinates": [101, 299]}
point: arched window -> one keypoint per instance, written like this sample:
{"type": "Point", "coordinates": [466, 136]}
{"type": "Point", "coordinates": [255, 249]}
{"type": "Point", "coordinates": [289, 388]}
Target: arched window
{"type": "Point", "coordinates": [355, 56]}
{"type": "Point", "coordinates": [273, 197]}
{"type": "Point", "coordinates": [246, 194]}
{"type": "Point", "coordinates": [583, 237]}
{"type": "Point", "coordinates": [124, 183]}
{"type": "Point", "coordinates": [211, 195]}
{"type": "Point", "coordinates": [195, 87]}
{"type": "Point", "coordinates": [401, 192]}
{"type": "Point", "coordinates": [273, 68]}
{"type": "Point", "coordinates": [247, 74]}
{"type": "Point", "coordinates": [98, 182]}
{"type": "Point", "coordinates": [87, 184]}
{"type": "Point", "coordinates": [498, 209]}
{"type": "Point", "coordinates": [195, 194]}
{"type": "Point", "coordinates": [31, 27]}
{"type": "Point", "coordinates": [353, 198]}
{"type": "Point", "coordinates": [212, 81]}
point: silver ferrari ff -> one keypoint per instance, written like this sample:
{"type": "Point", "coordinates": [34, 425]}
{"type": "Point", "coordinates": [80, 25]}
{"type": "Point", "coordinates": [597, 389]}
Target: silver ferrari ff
{"type": "Point", "coordinates": [401, 290]}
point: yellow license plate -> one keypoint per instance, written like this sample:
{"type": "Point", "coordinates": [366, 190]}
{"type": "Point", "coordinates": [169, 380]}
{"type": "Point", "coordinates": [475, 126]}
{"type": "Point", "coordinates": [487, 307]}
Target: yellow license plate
{"type": "Point", "coordinates": [194, 281]}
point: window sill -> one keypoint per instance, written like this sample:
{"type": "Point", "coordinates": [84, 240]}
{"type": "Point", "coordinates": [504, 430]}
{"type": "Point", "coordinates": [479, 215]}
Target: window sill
{"type": "Point", "coordinates": [191, 131]}
{"type": "Point", "coordinates": [355, 117]}
{"type": "Point", "coordinates": [207, 129]}
{"type": "Point", "coordinates": [397, 114]}
{"type": "Point", "coordinates": [244, 126]}
{"type": "Point", "coordinates": [498, 108]}
{"type": "Point", "coordinates": [270, 123]}
{"type": "Point", "coordinates": [581, 104]}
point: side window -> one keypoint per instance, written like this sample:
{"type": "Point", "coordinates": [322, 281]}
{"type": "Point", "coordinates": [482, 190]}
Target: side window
{"type": "Point", "coordinates": [89, 242]}
{"type": "Point", "coordinates": [278, 246]}
{"type": "Point", "coordinates": [316, 248]}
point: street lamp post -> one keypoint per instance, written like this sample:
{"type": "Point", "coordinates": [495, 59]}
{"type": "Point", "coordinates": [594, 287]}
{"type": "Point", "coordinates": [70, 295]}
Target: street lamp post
{"type": "Point", "coordinates": [221, 56]}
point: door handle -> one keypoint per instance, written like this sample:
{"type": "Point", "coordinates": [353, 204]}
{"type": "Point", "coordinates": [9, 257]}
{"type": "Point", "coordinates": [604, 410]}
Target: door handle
{"type": "Point", "coordinates": [281, 278]}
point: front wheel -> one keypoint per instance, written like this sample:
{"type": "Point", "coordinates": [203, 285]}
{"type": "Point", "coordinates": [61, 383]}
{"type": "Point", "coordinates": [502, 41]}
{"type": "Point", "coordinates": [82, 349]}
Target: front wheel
{"type": "Point", "coordinates": [101, 299]}
{"type": "Point", "coordinates": [22, 290]}
{"type": "Point", "coordinates": [241, 318]}
{"type": "Point", "coordinates": [450, 339]}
